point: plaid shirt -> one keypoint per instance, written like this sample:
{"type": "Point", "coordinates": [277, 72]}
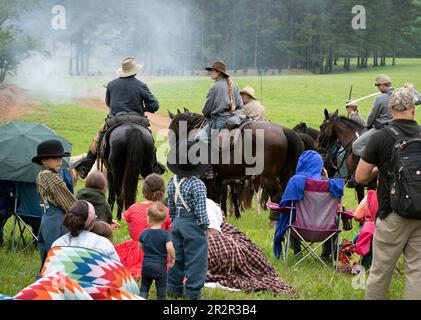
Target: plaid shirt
{"type": "Point", "coordinates": [194, 193]}
{"type": "Point", "coordinates": [52, 189]}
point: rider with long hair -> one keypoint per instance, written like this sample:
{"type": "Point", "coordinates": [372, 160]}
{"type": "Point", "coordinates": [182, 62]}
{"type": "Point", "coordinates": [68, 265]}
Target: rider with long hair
{"type": "Point", "coordinates": [222, 101]}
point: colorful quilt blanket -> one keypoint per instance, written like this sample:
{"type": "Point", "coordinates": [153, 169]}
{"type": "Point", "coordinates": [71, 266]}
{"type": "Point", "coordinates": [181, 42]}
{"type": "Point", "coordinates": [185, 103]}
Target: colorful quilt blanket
{"type": "Point", "coordinates": [55, 286]}
{"type": "Point", "coordinates": [102, 277]}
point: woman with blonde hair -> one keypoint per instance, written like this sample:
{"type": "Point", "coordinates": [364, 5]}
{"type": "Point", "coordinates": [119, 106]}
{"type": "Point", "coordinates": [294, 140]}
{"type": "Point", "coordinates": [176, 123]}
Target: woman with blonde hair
{"type": "Point", "coordinates": [222, 101]}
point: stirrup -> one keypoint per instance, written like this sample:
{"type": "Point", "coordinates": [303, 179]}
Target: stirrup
{"type": "Point", "coordinates": [159, 168]}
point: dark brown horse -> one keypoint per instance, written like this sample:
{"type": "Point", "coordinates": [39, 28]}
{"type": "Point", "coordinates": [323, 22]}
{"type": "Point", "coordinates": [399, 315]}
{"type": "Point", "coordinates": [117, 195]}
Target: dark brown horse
{"type": "Point", "coordinates": [334, 128]}
{"type": "Point", "coordinates": [281, 150]}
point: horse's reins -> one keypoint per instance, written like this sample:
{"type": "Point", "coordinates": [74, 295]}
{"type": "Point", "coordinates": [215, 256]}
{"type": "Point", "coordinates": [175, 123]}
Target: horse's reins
{"type": "Point", "coordinates": [345, 150]}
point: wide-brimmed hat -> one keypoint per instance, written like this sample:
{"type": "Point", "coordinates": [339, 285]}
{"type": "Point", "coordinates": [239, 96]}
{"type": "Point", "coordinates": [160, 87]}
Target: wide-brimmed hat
{"type": "Point", "coordinates": [129, 67]}
{"type": "Point", "coordinates": [382, 79]}
{"type": "Point", "coordinates": [248, 91]}
{"type": "Point", "coordinates": [50, 149]}
{"type": "Point", "coordinates": [218, 66]}
{"type": "Point", "coordinates": [189, 158]}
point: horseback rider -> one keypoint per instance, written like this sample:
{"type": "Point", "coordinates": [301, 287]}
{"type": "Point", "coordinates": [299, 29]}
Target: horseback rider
{"type": "Point", "coordinates": [252, 108]}
{"type": "Point", "coordinates": [338, 150]}
{"type": "Point", "coordinates": [128, 99]}
{"type": "Point", "coordinates": [222, 101]}
{"type": "Point", "coordinates": [379, 118]}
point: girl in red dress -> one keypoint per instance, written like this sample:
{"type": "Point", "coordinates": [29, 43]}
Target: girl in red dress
{"type": "Point", "coordinates": [130, 254]}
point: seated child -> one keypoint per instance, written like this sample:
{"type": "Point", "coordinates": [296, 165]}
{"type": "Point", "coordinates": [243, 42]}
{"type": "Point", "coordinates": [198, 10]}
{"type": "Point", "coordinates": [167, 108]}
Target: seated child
{"type": "Point", "coordinates": [103, 229]}
{"type": "Point", "coordinates": [131, 256]}
{"type": "Point", "coordinates": [80, 220]}
{"type": "Point", "coordinates": [156, 243]}
{"type": "Point", "coordinates": [96, 186]}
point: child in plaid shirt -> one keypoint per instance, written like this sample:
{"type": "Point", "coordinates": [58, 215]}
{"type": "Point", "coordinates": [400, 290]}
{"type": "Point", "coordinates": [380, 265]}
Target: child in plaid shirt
{"type": "Point", "coordinates": [187, 205]}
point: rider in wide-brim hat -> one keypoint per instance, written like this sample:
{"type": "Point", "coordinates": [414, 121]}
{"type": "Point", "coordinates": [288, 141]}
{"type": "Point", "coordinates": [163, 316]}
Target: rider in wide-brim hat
{"type": "Point", "coordinates": [222, 100]}
{"type": "Point", "coordinates": [128, 99]}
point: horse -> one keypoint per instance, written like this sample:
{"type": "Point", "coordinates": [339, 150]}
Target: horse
{"type": "Point", "coordinates": [129, 154]}
{"type": "Point", "coordinates": [334, 128]}
{"type": "Point", "coordinates": [314, 134]}
{"type": "Point", "coordinates": [281, 149]}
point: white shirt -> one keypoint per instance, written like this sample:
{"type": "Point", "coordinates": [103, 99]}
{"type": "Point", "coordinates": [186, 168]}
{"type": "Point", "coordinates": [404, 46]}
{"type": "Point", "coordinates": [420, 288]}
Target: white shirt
{"type": "Point", "coordinates": [214, 215]}
{"type": "Point", "coordinates": [88, 240]}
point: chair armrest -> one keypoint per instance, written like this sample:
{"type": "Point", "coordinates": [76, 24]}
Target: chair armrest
{"type": "Point", "coordinates": [275, 207]}
{"type": "Point", "coordinates": [346, 214]}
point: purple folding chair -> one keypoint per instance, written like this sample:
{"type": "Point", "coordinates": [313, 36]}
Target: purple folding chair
{"type": "Point", "coordinates": [317, 220]}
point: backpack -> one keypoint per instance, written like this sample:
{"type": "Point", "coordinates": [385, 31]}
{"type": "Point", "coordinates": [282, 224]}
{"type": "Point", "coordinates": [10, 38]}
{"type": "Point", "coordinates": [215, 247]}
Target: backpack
{"type": "Point", "coordinates": [405, 174]}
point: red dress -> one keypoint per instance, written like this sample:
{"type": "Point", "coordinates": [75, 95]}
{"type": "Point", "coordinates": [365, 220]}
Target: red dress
{"type": "Point", "coordinates": [129, 252]}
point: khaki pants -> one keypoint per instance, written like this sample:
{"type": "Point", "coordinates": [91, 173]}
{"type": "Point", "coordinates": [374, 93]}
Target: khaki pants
{"type": "Point", "coordinates": [395, 235]}
{"type": "Point", "coordinates": [94, 144]}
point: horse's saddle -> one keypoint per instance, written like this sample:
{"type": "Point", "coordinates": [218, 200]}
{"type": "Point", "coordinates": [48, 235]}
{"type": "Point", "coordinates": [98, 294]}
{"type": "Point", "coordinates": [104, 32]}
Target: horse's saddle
{"type": "Point", "coordinates": [113, 122]}
{"type": "Point", "coordinates": [237, 120]}
{"type": "Point", "coordinates": [234, 129]}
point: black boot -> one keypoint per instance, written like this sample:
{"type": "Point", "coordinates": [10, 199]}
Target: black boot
{"type": "Point", "coordinates": [352, 184]}
{"type": "Point", "coordinates": [86, 165]}
{"type": "Point", "coordinates": [157, 167]}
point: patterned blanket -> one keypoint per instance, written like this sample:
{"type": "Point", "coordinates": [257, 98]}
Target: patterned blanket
{"type": "Point", "coordinates": [236, 262]}
{"type": "Point", "coordinates": [102, 277]}
{"type": "Point", "coordinates": [55, 286]}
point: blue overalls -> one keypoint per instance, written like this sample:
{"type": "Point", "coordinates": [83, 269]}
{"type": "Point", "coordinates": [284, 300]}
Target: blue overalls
{"type": "Point", "coordinates": [51, 228]}
{"type": "Point", "coordinates": [191, 252]}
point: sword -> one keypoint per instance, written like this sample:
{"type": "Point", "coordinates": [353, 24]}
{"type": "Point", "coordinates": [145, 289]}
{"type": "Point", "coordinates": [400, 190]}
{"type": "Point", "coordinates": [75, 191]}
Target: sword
{"type": "Point", "coordinates": [363, 98]}
{"type": "Point", "coordinates": [366, 97]}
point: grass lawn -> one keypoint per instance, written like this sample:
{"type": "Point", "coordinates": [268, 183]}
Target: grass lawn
{"type": "Point", "coordinates": [288, 101]}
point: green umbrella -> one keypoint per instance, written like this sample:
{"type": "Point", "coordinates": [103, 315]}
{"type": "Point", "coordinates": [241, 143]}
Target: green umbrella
{"type": "Point", "coordinates": [18, 145]}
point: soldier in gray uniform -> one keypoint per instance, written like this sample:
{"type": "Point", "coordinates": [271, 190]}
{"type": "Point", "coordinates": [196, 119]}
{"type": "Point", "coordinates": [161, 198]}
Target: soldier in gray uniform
{"type": "Point", "coordinates": [380, 115]}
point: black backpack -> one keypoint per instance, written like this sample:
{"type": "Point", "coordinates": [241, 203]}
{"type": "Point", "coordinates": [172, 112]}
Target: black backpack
{"type": "Point", "coordinates": [405, 174]}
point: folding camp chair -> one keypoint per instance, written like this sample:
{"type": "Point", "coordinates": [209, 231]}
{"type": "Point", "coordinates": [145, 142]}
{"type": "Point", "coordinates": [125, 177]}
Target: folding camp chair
{"type": "Point", "coordinates": [317, 219]}
{"type": "Point", "coordinates": [27, 214]}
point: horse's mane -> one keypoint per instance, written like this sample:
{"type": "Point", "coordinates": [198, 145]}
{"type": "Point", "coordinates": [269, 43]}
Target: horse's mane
{"type": "Point", "coordinates": [303, 128]}
{"type": "Point", "coordinates": [351, 122]}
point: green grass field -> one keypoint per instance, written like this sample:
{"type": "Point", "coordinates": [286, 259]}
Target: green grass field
{"type": "Point", "coordinates": [288, 101]}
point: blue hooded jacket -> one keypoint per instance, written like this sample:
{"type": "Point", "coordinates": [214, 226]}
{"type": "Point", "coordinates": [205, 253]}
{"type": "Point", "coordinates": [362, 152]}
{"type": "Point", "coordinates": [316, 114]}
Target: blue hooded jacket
{"type": "Point", "coordinates": [310, 166]}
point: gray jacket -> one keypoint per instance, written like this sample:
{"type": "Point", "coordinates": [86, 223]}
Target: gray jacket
{"type": "Point", "coordinates": [217, 100]}
{"type": "Point", "coordinates": [380, 113]}
{"type": "Point", "coordinates": [357, 118]}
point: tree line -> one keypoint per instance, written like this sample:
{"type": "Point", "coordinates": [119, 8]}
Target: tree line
{"type": "Point", "coordinates": [180, 36]}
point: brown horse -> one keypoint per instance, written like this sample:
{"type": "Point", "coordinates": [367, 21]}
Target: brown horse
{"type": "Point", "coordinates": [281, 150]}
{"type": "Point", "coordinates": [334, 128]}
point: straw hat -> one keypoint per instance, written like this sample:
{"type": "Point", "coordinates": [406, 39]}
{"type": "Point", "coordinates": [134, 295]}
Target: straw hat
{"type": "Point", "coordinates": [248, 91]}
{"type": "Point", "coordinates": [129, 68]}
{"type": "Point", "coordinates": [218, 66]}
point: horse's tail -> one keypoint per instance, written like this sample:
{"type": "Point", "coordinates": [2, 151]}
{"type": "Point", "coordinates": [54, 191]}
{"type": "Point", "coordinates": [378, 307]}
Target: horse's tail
{"type": "Point", "coordinates": [294, 151]}
{"type": "Point", "coordinates": [134, 139]}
